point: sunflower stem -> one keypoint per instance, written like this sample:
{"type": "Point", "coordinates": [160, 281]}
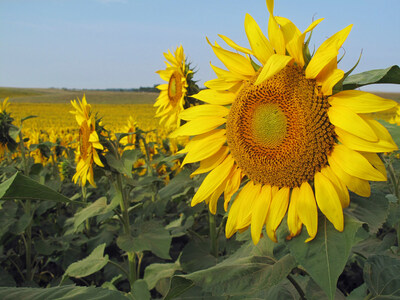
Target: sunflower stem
{"type": "Point", "coordinates": [84, 199]}
{"type": "Point", "coordinates": [127, 230]}
{"type": "Point", "coordinates": [297, 287]}
{"type": "Point", "coordinates": [213, 234]}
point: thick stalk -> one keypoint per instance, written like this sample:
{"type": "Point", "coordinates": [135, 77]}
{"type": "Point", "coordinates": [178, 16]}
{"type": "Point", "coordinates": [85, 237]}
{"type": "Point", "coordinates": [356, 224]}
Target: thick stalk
{"type": "Point", "coordinates": [213, 234]}
{"type": "Point", "coordinates": [27, 209]}
{"type": "Point", "coordinates": [125, 216]}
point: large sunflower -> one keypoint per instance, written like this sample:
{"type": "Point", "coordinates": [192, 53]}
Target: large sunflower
{"type": "Point", "coordinates": [171, 100]}
{"type": "Point", "coordinates": [277, 130]}
{"type": "Point", "coordinates": [88, 143]}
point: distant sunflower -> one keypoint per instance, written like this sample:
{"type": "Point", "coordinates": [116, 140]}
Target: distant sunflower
{"type": "Point", "coordinates": [172, 96]}
{"type": "Point", "coordinates": [279, 126]}
{"type": "Point", "coordinates": [131, 139]}
{"type": "Point", "coordinates": [88, 143]}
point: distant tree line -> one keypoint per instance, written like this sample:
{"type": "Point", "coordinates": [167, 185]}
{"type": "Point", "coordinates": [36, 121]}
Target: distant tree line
{"type": "Point", "coordinates": [140, 89]}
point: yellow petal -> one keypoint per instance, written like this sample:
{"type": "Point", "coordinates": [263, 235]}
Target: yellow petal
{"type": "Point", "coordinates": [307, 210]}
{"type": "Point", "coordinates": [234, 45]}
{"type": "Point", "coordinates": [234, 61]}
{"type": "Point", "coordinates": [326, 52]}
{"type": "Point", "coordinates": [289, 30]}
{"type": "Point", "coordinates": [355, 164]}
{"type": "Point", "coordinates": [359, 186]}
{"type": "Point", "coordinates": [96, 158]}
{"type": "Point", "coordinates": [330, 81]}
{"type": "Point", "coordinates": [215, 97]}
{"type": "Point", "coordinates": [359, 144]}
{"type": "Point", "coordinates": [205, 110]}
{"type": "Point", "coordinates": [198, 126]}
{"type": "Point", "coordinates": [374, 159]}
{"type": "Point", "coordinates": [228, 76]}
{"type": "Point", "coordinates": [213, 201]}
{"type": "Point", "coordinates": [260, 211]}
{"type": "Point", "coordinates": [296, 43]}
{"type": "Point", "coordinates": [277, 211]}
{"type": "Point", "coordinates": [211, 162]}
{"type": "Point", "coordinates": [250, 194]}
{"type": "Point", "coordinates": [204, 149]}
{"type": "Point", "coordinates": [213, 180]}
{"type": "Point", "coordinates": [293, 220]}
{"type": "Point", "coordinates": [274, 64]}
{"type": "Point", "coordinates": [232, 186]}
{"type": "Point", "coordinates": [274, 32]}
{"type": "Point", "coordinates": [219, 84]}
{"type": "Point", "coordinates": [339, 185]}
{"type": "Point", "coordinates": [380, 130]}
{"type": "Point", "coordinates": [348, 120]}
{"type": "Point", "coordinates": [328, 200]}
{"type": "Point", "coordinates": [262, 48]}
{"type": "Point", "coordinates": [361, 102]}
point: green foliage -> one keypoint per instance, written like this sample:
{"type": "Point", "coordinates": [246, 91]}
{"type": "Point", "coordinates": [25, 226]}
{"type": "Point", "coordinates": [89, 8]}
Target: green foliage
{"type": "Point", "coordinates": [388, 75]}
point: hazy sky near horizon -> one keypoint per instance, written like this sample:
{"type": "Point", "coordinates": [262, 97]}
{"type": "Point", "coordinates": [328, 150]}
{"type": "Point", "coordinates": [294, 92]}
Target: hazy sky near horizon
{"type": "Point", "coordinates": [120, 43]}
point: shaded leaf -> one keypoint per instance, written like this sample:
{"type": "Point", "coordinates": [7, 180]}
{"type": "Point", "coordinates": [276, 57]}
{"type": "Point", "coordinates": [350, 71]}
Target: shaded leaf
{"type": "Point", "coordinates": [154, 272]}
{"type": "Point", "coordinates": [372, 210]}
{"type": "Point", "coordinates": [373, 245]}
{"type": "Point", "coordinates": [382, 277]}
{"type": "Point", "coordinates": [196, 256]}
{"type": "Point", "coordinates": [177, 185]}
{"type": "Point", "coordinates": [388, 75]}
{"type": "Point", "coordinates": [24, 188]}
{"type": "Point", "coordinates": [358, 293]}
{"type": "Point", "coordinates": [178, 286]}
{"type": "Point", "coordinates": [60, 293]}
{"type": "Point", "coordinates": [325, 257]}
{"type": "Point", "coordinates": [314, 292]}
{"type": "Point", "coordinates": [125, 242]}
{"type": "Point", "coordinates": [89, 265]}
{"type": "Point", "coordinates": [94, 209]}
{"type": "Point", "coordinates": [22, 223]}
{"type": "Point", "coordinates": [140, 290]}
{"type": "Point", "coordinates": [118, 165]}
{"type": "Point", "coordinates": [242, 276]}
{"type": "Point", "coordinates": [152, 236]}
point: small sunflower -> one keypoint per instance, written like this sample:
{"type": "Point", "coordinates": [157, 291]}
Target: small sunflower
{"type": "Point", "coordinates": [276, 129]}
{"type": "Point", "coordinates": [131, 139]}
{"type": "Point", "coordinates": [88, 143]}
{"type": "Point", "coordinates": [172, 96]}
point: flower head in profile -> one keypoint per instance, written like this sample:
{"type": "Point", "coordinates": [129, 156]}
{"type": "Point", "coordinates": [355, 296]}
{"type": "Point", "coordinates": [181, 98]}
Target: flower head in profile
{"type": "Point", "coordinates": [7, 142]}
{"type": "Point", "coordinates": [89, 143]}
{"type": "Point", "coordinates": [273, 130]}
{"type": "Point", "coordinates": [173, 97]}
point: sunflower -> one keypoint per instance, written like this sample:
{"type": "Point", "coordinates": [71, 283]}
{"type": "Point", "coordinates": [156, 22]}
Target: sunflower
{"type": "Point", "coordinates": [171, 100]}
{"type": "Point", "coordinates": [131, 139]}
{"type": "Point", "coordinates": [88, 143]}
{"type": "Point", "coordinates": [274, 132]}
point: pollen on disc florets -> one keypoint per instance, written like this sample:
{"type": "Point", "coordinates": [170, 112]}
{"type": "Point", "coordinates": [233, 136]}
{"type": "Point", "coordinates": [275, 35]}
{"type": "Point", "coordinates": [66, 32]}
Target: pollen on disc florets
{"type": "Point", "coordinates": [278, 131]}
{"type": "Point", "coordinates": [175, 88]}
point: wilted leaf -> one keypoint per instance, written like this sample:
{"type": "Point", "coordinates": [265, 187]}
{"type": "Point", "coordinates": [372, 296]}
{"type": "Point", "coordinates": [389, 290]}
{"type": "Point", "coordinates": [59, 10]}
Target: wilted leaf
{"type": "Point", "coordinates": [325, 257]}
{"type": "Point", "coordinates": [89, 265]}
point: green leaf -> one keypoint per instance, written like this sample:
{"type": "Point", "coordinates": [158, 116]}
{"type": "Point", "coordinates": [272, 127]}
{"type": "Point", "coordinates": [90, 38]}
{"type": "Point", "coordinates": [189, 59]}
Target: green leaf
{"type": "Point", "coordinates": [22, 223]}
{"type": "Point", "coordinates": [125, 242]}
{"type": "Point", "coordinates": [6, 279]}
{"type": "Point", "coordinates": [129, 157]}
{"type": "Point", "coordinates": [118, 165]}
{"type": "Point", "coordinates": [389, 75]}
{"type": "Point", "coordinates": [94, 209]}
{"type": "Point", "coordinates": [140, 290]}
{"type": "Point", "coordinates": [178, 286]}
{"type": "Point", "coordinates": [60, 293]}
{"type": "Point", "coordinates": [358, 293]}
{"type": "Point", "coordinates": [382, 276]}
{"type": "Point", "coordinates": [242, 276]}
{"type": "Point", "coordinates": [178, 184]}
{"type": "Point", "coordinates": [325, 257]}
{"type": "Point", "coordinates": [89, 265]}
{"type": "Point", "coordinates": [24, 188]}
{"type": "Point", "coordinates": [155, 272]}
{"type": "Point", "coordinates": [373, 245]}
{"type": "Point", "coordinates": [196, 256]}
{"type": "Point", "coordinates": [152, 236]}
{"type": "Point", "coordinates": [314, 292]}
{"type": "Point", "coordinates": [372, 210]}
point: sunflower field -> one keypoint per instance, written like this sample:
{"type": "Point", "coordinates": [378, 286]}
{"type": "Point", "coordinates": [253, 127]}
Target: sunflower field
{"type": "Point", "coordinates": [279, 180]}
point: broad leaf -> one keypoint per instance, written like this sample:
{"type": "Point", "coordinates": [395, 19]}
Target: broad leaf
{"type": "Point", "coordinates": [89, 265]}
{"type": "Point", "coordinates": [236, 277]}
{"type": "Point", "coordinates": [152, 236]}
{"type": "Point", "coordinates": [94, 209]}
{"type": "Point", "coordinates": [24, 188]}
{"type": "Point", "coordinates": [125, 242]}
{"type": "Point", "coordinates": [389, 75]}
{"type": "Point", "coordinates": [60, 292]}
{"type": "Point", "coordinates": [140, 290]}
{"type": "Point", "coordinates": [382, 276]}
{"type": "Point", "coordinates": [154, 272]}
{"type": "Point", "coordinates": [372, 210]}
{"type": "Point", "coordinates": [325, 257]}
{"type": "Point", "coordinates": [177, 185]}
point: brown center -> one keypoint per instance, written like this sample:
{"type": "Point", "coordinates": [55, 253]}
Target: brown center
{"type": "Point", "coordinates": [175, 88]}
{"type": "Point", "coordinates": [279, 131]}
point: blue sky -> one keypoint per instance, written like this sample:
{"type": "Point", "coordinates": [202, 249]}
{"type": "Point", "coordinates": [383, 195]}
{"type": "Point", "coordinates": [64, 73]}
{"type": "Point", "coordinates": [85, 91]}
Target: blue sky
{"type": "Point", "coordinates": [119, 43]}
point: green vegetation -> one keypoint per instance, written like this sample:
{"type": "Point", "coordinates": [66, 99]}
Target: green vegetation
{"type": "Point", "coordinates": [26, 95]}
